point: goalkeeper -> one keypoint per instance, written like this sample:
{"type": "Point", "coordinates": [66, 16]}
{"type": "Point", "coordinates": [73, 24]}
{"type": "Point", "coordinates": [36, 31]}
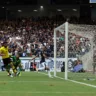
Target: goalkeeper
{"type": "Point", "coordinates": [17, 63]}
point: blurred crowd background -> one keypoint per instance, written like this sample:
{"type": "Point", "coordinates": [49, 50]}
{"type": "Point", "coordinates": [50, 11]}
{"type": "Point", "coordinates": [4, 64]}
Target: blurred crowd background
{"type": "Point", "coordinates": [27, 36]}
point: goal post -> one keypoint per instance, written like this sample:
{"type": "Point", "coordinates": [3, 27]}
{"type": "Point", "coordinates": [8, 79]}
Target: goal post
{"type": "Point", "coordinates": [73, 49]}
{"type": "Point", "coordinates": [66, 48]}
{"type": "Point", "coordinates": [54, 53]}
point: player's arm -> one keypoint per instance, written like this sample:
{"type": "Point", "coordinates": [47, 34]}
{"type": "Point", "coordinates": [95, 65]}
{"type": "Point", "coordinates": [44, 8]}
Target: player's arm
{"type": "Point", "coordinates": [34, 57]}
{"type": "Point", "coordinates": [45, 56]}
{"type": "Point", "coordinates": [19, 63]}
{"type": "Point", "coordinates": [12, 56]}
{"type": "Point", "coordinates": [9, 49]}
{"type": "Point", "coordinates": [1, 53]}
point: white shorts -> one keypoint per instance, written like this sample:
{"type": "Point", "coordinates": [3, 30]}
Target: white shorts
{"type": "Point", "coordinates": [43, 65]}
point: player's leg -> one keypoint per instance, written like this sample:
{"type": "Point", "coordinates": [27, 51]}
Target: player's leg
{"type": "Point", "coordinates": [12, 66]}
{"type": "Point", "coordinates": [19, 67]}
{"type": "Point", "coordinates": [48, 69]}
{"type": "Point", "coordinates": [7, 67]}
{"type": "Point", "coordinates": [44, 66]}
{"type": "Point", "coordinates": [41, 67]}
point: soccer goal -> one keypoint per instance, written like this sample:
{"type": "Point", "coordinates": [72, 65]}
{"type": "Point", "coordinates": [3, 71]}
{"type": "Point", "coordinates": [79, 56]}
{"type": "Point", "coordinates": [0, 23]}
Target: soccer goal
{"type": "Point", "coordinates": [74, 51]}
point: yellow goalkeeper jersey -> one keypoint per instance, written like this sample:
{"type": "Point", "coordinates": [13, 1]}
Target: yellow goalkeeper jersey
{"type": "Point", "coordinates": [4, 51]}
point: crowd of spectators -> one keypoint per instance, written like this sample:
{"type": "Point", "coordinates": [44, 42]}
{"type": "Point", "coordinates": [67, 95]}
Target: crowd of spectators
{"type": "Point", "coordinates": [27, 36]}
{"type": "Point", "coordinates": [77, 45]}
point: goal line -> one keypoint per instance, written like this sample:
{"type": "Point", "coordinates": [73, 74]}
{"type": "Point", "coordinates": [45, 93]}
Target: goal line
{"type": "Point", "coordinates": [74, 81]}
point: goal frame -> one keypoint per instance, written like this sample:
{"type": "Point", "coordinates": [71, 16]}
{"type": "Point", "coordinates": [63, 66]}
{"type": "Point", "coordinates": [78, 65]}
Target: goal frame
{"type": "Point", "coordinates": [78, 29]}
{"type": "Point", "coordinates": [66, 48]}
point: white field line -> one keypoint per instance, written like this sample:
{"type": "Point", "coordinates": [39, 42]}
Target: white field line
{"type": "Point", "coordinates": [28, 81]}
{"type": "Point", "coordinates": [49, 81]}
{"type": "Point", "coordinates": [43, 73]}
{"type": "Point", "coordinates": [30, 92]}
{"type": "Point", "coordinates": [23, 81]}
{"type": "Point", "coordinates": [73, 81]}
{"type": "Point", "coordinates": [83, 83]}
{"type": "Point", "coordinates": [78, 82]}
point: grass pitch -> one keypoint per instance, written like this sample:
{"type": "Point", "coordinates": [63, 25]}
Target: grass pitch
{"type": "Point", "coordinates": [36, 84]}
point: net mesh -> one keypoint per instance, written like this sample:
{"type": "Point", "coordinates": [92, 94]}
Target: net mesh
{"type": "Point", "coordinates": [81, 46]}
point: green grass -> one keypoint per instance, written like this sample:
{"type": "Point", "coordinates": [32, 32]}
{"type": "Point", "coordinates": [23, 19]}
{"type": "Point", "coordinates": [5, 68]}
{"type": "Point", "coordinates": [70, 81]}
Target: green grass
{"type": "Point", "coordinates": [36, 84]}
{"type": "Point", "coordinates": [81, 77]}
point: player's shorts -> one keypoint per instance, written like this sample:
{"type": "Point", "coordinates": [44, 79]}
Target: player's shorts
{"type": "Point", "coordinates": [15, 66]}
{"type": "Point", "coordinates": [43, 65]}
{"type": "Point", "coordinates": [6, 61]}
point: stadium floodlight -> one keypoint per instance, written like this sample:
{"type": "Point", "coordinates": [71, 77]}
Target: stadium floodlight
{"type": "Point", "coordinates": [41, 7]}
{"type": "Point", "coordinates": [74, 9]}
{"type": "Point", "coordinates": [35, 10]}
{"type": "Point", "coordinates": [3, 7]}
{"type": "Point", "coordinates": [59, 10]}
{"type": "Point", "coordinates": [19, 10]}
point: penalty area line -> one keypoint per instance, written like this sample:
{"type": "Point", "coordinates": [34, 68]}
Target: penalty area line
{"type": "Point", "coordinates": [23, 81]}
{"type": "Point", "coordinates": [39, 92]}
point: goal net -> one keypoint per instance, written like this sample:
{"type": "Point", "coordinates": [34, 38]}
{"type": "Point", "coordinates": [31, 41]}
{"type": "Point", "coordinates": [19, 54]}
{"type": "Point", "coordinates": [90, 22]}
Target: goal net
{"type": "Point", "coordinates": [74, 50]}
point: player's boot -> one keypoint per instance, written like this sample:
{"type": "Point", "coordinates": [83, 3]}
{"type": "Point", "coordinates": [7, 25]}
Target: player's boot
{"type": "Point", "coordinates": [8, 74]}
{"type": "Point", "coordinates": [49, 74]}
{"type": "Point", "coordinates": [37, 69]}
{"type": "Point", "coordinates": [11, 75]}
{"type": "Point", "coordinates": [18, 74]}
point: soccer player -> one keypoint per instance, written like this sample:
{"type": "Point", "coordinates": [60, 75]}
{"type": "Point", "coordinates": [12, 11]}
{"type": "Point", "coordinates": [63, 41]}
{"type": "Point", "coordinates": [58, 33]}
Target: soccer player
{"type": "Point", "coordinates": [17, 63]}
{"type": "Point", "coordinates": [44, 65]}
{"type": "Point", "coordinates": [6, 58]}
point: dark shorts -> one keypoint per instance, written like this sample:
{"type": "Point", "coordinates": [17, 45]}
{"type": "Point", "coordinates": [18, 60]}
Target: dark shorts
{"type": "Point", "coordinates": [15, 65]}
{"type": "Point", "coordinates": [6, 61]}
